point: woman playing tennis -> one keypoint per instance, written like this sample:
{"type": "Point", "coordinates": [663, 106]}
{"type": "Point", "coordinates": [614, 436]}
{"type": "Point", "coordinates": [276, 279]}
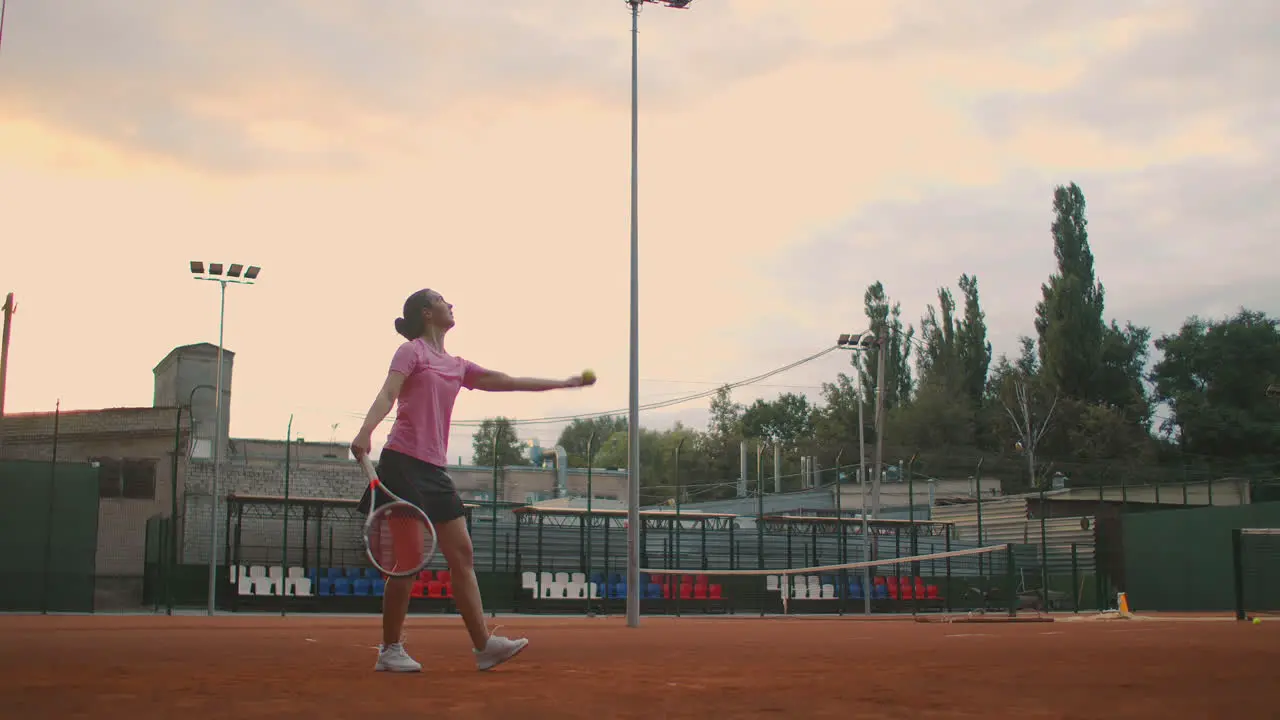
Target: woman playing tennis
{"type": "Point", "coordinates": [423, 383]}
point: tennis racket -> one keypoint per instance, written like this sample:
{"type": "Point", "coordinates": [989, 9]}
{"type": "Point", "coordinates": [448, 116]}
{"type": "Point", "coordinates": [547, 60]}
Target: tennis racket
{"type": "Point", "coordinates": [398, 536]}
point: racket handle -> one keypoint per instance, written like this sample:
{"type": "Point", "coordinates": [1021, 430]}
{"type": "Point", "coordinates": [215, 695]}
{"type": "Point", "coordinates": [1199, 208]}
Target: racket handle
{"type": "Point", "coordinates": [367, 464]}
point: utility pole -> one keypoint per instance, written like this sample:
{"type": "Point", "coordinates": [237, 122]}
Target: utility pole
{"type": "Point", "coordinates": [10, 307]}
{"type": "Point", "coordinates": [878, 462]}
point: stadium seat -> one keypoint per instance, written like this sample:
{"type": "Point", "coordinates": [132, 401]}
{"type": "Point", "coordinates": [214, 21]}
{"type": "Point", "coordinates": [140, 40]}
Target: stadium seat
{"type": "Point", "coordinates": [529, 581]}
{"type": "Point", "coordinates": [552, 591]}
{"type": "Point", "coordinates": [435, 589]}
{"type": "Point", "coordinates": [653, 591]}
{"type": "Point", "coordinates": [245, 585]}
{"type": "Point", "coordinates": [419, 589]}
{"type": "Point", "coordinates": [575, 591]}
{"type": "Point", "coordinates": [597, 577]}
{"type": "Point", "coordinates": [275, 572]}
{"type": "Point", "coordinates": [800, 591]}
{"type": "Point", "coordinates": [545, 579]}
{"type": "Point", "coordinates": [699, 592]}
{"type": "Point", "coordinates": [716, 592]}
{"type": "Point", "coordinates": [342, 586]}
{"type": "Point", "coordinates": [301, 587]}
{"type": "Point", "coordinates": [234, 572]}
{"type": "Point", "coordinates": [379, 586]}
{"type": "Point", "coordinates": [686, 591]}
{"type": "Point", "coordinates": [771, 583]}
{"type": "Point", "coordinates": [333, 573]}
{"type": "Point", "coordinates": [362, 586]}
{"type": "Point", "coordinates": [593, 590]}
{"type": "Point", "coordinates": [599, 590]}
{"type": "Point", "coordinates": [827, 591]}
{"type": "Point", "coordinates": [578, 578]}
{"type": "Point", "coordinates": [881, 592]}
{"type": "Point", "coordinates": [931, 592]}
{"type": "Point", "coordinates": [562, 578]}
{"type": "Point", "coordinates": [324, 587]}
{"type": "Point", "coordinates": [257, 571]}
{"type": "Point", "coordinates": [618, 590]}
{"type": "Point", "coordinates": [444, 576]}
{"type": "Point", "coordinates": [264, 586]}
{"type": "Point", "coordinates": [426, 576]}
{"type": "Point", "coordinates": [295, 572]}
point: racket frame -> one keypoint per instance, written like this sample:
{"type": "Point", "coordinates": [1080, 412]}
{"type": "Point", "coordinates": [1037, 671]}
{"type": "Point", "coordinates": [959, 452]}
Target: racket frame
{"type": "Point", "coordinates": [375, 484]}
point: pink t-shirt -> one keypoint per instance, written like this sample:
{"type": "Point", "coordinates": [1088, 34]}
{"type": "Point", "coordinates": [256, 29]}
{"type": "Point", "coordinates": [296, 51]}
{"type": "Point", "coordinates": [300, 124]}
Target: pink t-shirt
{"type": "Point", "coordinates": [425, 407]}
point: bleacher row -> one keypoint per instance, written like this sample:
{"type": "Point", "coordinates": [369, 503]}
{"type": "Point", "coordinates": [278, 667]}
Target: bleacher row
{"type": "Point", "coordinates": [576, 586]}
{"type": "Point", "coordinates": [298, 582]}
{"type": "Point", "coordinates": [824, 587]}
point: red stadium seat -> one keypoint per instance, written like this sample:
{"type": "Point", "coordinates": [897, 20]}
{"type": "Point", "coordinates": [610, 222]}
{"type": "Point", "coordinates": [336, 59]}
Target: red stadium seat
{"type": "Point", "coordinates": [443, 576]}
{"type": "Point", "coordinates": [435, 589]}
{"type": "Point", "coordinates": [686, 592]}
{"type": "Point", "coordinates": [905, 592]}
{"type": "Point", "coordinates": [931, 591]}
{"type": "Point", "coordinates": [666, 591]}
{"type": "Point", "coordinates": [699, 592]}
{"type": "Point", "coordinates": [425, 576]}
{"type": "Point", "coordinates": [702, 580]}
{"type": "Point", "coordinates": [893, 591]}
{"type": "Point", "coordinates": [716, 592]}
{"type": "Point", "coordinates": [419, 589]}
{"type": "Point", "coordinates": [448, 590]}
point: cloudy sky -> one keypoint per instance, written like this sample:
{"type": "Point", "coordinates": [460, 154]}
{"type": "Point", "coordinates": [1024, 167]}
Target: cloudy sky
{"type": "Point", "coordinates": [791, 154]}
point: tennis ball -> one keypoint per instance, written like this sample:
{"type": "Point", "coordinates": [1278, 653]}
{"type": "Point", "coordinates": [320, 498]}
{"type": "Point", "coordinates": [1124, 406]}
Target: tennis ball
{"type": "Point", "coordinates": [1257, 621]}
{"type": "Point", "coordinates": [588, 377]}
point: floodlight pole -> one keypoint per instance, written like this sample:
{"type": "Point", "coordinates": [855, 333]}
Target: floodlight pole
{"type": "Point", "coordinates": [857, 342]}
{"type": "Point", "coordinates": [215, 274]}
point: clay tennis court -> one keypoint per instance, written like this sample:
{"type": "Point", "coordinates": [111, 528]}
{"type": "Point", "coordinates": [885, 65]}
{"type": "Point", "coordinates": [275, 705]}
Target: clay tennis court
{"type": "Point", "coordinates": [196, 668]}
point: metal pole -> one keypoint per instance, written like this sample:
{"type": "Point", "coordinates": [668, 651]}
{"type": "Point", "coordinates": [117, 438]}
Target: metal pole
{"type": "Point", "coordinates": [171, 558]}
{"type": "Point", "coordinates": [217, 457]}
{"type": "Point", "coordinates": [679, 492]}
{"type": "Point", "coordinates": [633, 436]}
{"type": "Point", "coordinates": [284, 541]}
{"type": "Point", "coordinates": [590, 441]}
{"type": "Point", "coordinates": [862, 490]}
{"type": "Point", "coordinates": [48, 516]}
{"type": "Point", "coordinates": [880, 413]}
{"type": "Point", "coordinates": [9, 308]}
{"type": "Point", "coordinates": [493, 507]}
{"type": "Point", "coordinates": [759, 510]}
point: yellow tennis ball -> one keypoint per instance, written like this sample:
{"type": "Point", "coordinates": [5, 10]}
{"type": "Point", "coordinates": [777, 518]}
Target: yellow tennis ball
{"type": "Point", "coordinates": [1257, 621]}
{"type": "Point", "coordinates": [588, 377]}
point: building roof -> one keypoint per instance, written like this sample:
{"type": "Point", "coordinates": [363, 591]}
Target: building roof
{"type": "Point", "coordinates": [204, 348]}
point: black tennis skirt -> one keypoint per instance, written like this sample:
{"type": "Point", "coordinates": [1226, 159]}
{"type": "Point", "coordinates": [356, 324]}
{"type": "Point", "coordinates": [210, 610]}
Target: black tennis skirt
{"type": "Point", "coordinates": [421, 483]}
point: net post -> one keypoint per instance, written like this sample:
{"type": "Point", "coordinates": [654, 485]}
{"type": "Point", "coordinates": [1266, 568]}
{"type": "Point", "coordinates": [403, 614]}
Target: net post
{"type": "Point", "coordinates": [1011, 577]}
{"type": "Point", "coordinates": [1075, 580]}
{"type": "Point", "coordinates": [1237, 571]}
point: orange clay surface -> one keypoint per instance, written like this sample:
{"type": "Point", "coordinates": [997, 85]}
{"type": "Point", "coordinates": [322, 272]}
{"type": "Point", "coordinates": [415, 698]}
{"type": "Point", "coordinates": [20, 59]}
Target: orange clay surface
{"type": "Point", "coordinates": [257, 667]}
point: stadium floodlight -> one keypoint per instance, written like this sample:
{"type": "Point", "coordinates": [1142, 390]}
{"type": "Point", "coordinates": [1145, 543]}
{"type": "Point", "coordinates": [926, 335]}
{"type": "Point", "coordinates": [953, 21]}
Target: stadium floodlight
{"type": "Point", "coordinates": [633, 414]}
{"type": "Point", "coordinates": [859, 342]}
{"type": "Point", "coordinates": [215, 274]}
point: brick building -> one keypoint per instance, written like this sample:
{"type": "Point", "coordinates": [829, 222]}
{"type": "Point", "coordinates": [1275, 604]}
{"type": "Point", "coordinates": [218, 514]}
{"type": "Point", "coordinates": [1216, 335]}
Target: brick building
{"type": "Point", "coordinates": [139, 473]}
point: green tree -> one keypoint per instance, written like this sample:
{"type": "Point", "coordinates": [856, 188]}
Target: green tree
{"type": "Point", "coordinates": [972, 348]}
{"type": "Point", "coordinates": [575, 435]}
{"type": "Point", "coordinates": [787, 420]}
{"type": "Point", "coordinates": [886, 324]}
{"type": "Point", "coordinates": [510, 451]}
{"type": "Point", "coordinates": [1069, 317]}
{"type": "Point", "coordinates": [1213, 376]}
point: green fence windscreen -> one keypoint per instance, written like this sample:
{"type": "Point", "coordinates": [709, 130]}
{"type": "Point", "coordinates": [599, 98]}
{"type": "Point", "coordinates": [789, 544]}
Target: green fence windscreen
{"type": "Point", "coordinates": [1181, 560]}
{"type": "Point", "coordinates": [48, 536]}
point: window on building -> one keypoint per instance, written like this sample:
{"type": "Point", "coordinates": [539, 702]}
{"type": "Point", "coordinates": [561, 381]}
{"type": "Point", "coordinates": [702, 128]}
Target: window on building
{"type": "Point", "coordinates": [130, 479]}
{"type": "Point", "coordinates": [110, 480]}
{"type": "Point", "coordinates": [139, 479]}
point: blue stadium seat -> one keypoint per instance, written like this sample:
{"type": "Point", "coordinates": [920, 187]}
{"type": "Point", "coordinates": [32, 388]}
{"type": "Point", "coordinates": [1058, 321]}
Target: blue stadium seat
{"type": "Point", "coordinates": [379, 586]}
{"type": "Point", "coordinates": [602, 589]}
{"type": "Point", "coordinates": [341, 586]}
{"type": "Point", "coordinates": [324, 586]}
{"type": "Point", "coordinates": [881, 592]}
{"type": "Point", "coordinates": [644, 578]}
{"type": "Point", "coordinates": [618, 590]}
{"type": "Point", "coordinates": [597, 577]}
{"type": "Point", "coordinates": [362, 586]}
{"type": "Point", "coordinates": [333, 572]}
{"type": "Point", "coordinates": [372, 573]}
{"type": "Point", "coordinates": [653, 591]}
{"type": "Point", "coordinates": [353, 573]}
{"type": "Point", "coordinates": [615, 578]}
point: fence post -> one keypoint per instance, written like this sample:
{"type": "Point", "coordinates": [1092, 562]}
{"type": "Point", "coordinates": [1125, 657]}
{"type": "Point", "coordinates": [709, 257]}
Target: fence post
{"type": "Point", "coordinates": [1075, 581]}
{"type": "Point", "coordinates": [48, 518]}
{"type": "Point", "coordinates": [1011, 577]}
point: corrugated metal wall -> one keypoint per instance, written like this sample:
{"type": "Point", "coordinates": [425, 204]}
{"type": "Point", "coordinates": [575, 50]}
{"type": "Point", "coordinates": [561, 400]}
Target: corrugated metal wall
{"type": "Point", "coordinates": [1007, 520]}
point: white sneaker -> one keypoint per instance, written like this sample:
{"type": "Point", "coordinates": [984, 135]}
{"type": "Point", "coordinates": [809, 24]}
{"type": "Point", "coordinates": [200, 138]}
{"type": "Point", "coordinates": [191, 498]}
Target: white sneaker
{"type": "Point", "coordinates": [393, 658]}
{"type": "Point", "coordinates": [498, 650]}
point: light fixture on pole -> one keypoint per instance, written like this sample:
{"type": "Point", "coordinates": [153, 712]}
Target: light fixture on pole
{"type": "Point", "coordinates": [633, 414]}
{"type": "Point", "coordinates": [239, 275]}
{"type": "Point", "coordinates": [859, 342]}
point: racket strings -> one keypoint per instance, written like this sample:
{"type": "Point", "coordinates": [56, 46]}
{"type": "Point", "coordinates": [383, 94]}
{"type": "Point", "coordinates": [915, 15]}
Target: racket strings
{"type": "Point", "coordinates": [399, 540]}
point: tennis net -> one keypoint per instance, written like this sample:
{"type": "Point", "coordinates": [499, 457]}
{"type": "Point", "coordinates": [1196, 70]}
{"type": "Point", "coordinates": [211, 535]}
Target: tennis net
{"type": "Point", "coordinates": [1256, 565]}
{"type": "Point", "coordinates": [974, 579]}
